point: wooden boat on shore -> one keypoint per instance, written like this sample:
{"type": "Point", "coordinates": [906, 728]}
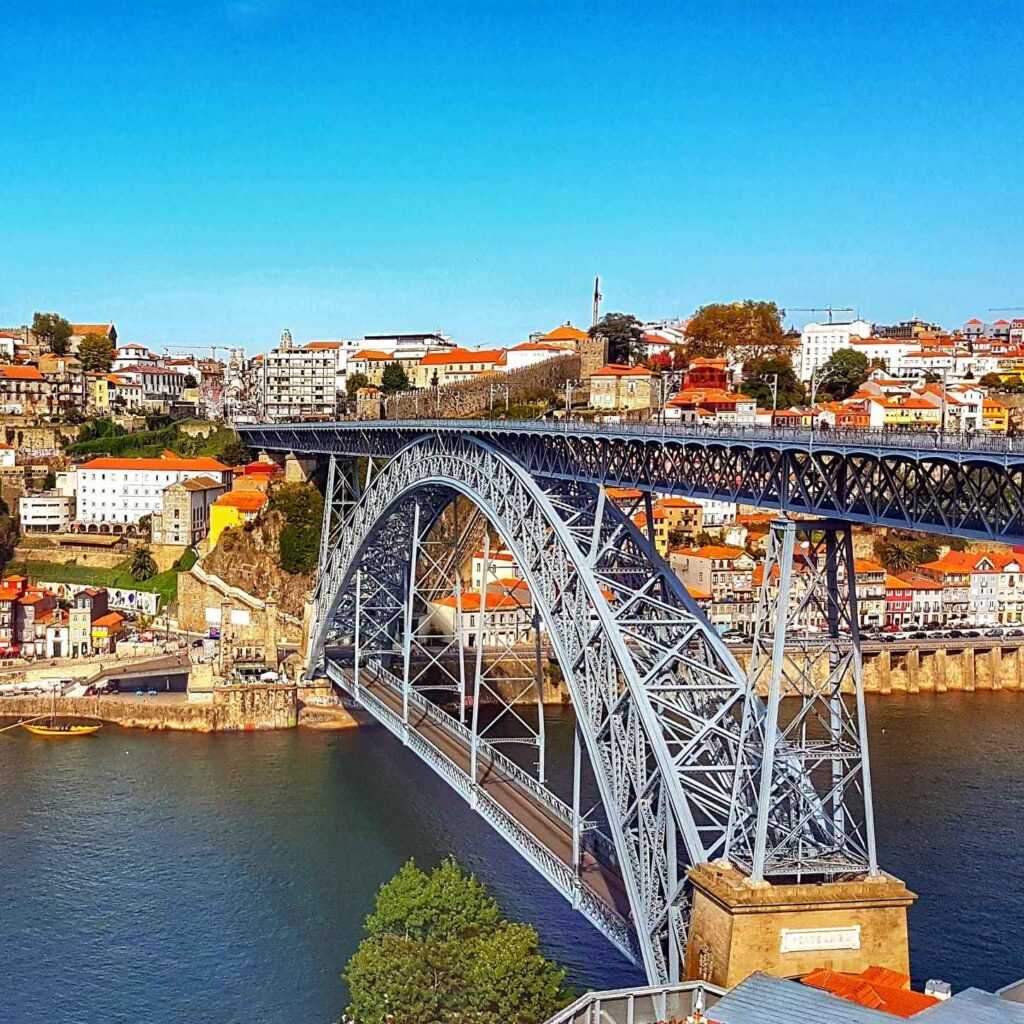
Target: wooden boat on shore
{"type": "Point", "coordinates": [59, 730]}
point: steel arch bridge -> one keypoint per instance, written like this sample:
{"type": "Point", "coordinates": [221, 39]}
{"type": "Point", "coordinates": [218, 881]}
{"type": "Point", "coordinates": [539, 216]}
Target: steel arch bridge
{"type": "Point", "coordinates": [690, 763]}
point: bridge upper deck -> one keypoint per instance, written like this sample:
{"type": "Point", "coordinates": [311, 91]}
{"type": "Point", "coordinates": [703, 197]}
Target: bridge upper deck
{"type": "Point", "coordinates": [971, 486]}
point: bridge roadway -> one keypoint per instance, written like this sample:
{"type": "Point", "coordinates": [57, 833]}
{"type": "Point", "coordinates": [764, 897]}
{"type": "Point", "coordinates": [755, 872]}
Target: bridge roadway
{"type": "Point", "coordinates": [970, 486]}
{"type": "Point", "coordinates": [547, 820]}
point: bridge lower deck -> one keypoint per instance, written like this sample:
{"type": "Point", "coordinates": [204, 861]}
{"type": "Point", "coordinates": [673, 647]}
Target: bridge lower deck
{"type": "Point", "coordinates": [547, 828]}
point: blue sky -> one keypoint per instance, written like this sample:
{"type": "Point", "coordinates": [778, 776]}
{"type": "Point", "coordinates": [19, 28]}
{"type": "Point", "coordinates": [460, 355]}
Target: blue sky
{"type": "Point", "coordinates": [215, 172]}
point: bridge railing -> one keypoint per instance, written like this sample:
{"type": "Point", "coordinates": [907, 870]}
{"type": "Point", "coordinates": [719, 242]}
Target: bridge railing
{"type": "Point", "coordinates": [602, 914]}
{"type": "Point", "coordinates": [915, 440]}
{"type": "Point", "coordinates": [558, 807]}
{"type": "Point", "coordinates": [647, 1005]}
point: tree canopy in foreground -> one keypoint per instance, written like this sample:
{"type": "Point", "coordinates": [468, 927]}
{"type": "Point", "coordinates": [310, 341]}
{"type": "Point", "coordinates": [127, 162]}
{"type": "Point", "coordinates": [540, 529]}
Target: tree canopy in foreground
{"type": "Point", "coordinates": [438, 949]}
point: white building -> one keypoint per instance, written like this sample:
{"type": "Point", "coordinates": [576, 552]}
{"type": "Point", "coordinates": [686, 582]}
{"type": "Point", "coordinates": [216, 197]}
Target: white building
{"type": "Point", "coordinates": [133, 354]}
{"type": "Point", "coordinates": [819, 341]}
{"type": "Point", "coordinates": [112, 490]}
{"type": "Point", "coordinates": [501, 565]}
{"type": "Point", "coordinates": [507, 621]}
{"type": "Point", "coordinates": [529, 353]}
{"type": "Point", "coordinates": [303, 383]}
{"type": "Point", "coordinates": [49, 512]}
{"type": "Point", "coordinates": [158, 383]}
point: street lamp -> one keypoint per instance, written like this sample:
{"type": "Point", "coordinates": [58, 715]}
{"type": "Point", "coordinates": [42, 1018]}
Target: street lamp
{"type": "Point", "coordinates": [570, 386]}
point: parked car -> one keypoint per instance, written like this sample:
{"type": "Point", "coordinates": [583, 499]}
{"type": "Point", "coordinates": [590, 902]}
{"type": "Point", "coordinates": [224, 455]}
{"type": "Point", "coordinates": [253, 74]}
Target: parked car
{"type": "Point", "coordinates": [954, 634]}
{"type": "Point", "coordinates": [972, 633]}
{"type": "Point", "coordinates": [993, 632]}
{"type": "Point", "coordinates": [1015, 632]}
{"type": "Point", "coordinates": [919, 636]}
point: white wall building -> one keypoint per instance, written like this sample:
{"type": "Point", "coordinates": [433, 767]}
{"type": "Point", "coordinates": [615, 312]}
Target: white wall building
{"type": "Point", "coordinates": [302, 383]}
{"type": "Point", "coordinates": [49, 512]}
{"type": "Point", "coordinates": [112, 490]}
{"type": "Point", "coordinates": [819, 341]}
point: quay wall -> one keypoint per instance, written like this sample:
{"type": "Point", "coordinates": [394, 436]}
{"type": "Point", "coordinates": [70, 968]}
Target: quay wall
{"type": "Point", "coordinates": [233, 709]}
{"type": "Point", "coordinates": [941, 670]}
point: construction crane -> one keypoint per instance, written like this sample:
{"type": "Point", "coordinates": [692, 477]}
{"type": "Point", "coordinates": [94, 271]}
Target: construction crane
{"type": "Point", "coordinates": [817, 309]}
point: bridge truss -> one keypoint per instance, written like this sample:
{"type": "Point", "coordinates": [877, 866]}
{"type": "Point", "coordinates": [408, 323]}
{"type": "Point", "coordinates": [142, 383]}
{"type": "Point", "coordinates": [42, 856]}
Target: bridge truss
{"type": "Point", "coordinates": [690, 764]}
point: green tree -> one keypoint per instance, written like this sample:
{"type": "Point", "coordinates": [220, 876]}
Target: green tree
{"type": "Point", "coordinates": [844, 372]}
{"type": "Point", "coordinates": [355, 382]}
{"type": "Point", "coordinates": [298, 549]}
{"type": "Point", "coordinates": [437, 949]}
{"type": "Point", "coordinates": [901, 554]}
{"type": "Point", "coordinates": [749, 329]}
{"type": "Point", "coordinates": [190, 381]}
{"type": "Point", "coordinates": [235, 452]}
{"type": "Point", "coordinates": [394, 379]}
{"type": "Point", "coordinates": [52, 331]}
{"type": "Point", "coordinates": [302, 507]}
{"type": "Point", "coordinates": [96, 353]}
{"type": "Point", "coordinates": [991, 380]}
{"type": "Point", "coordinates": [142, 566]}
{"type": "Point", "coordinates": [758, 375]}
{"type": "Point", "coordinates": [623, 336]}
{"type": "Point", "coordinates": [301, 504]}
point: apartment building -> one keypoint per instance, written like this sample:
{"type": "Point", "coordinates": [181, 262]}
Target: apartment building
{"type": "Point", "coordinates": [303, 383]}
{"type": "Point", "coordinates": [818, 342]}
{"type": "Point", "coordinates": [115, 490]}
{"type": "Point", "coordinates": [726, 575]}
{"type": "Point", "coordinates": [67, 382]}
{"type": "Point", "coordinates": [24, 391]}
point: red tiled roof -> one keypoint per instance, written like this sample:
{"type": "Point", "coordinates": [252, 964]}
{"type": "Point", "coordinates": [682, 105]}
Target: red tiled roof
{"type": "Point", "coordinates": [110, 619]}
{"type": "Point", "coordinates": [619, 370]}
{"type": "Point", "coordinates": [20, 373]}
{"type": "Point", "coordinates": [876, 988]}
{"type": "Point", "coordinates": [173, 463]}
{"type": "Point", "coordinates": [463, 355]}
{"type": "Point", "coordinates": [565, 332]}
{"type": "Point", "coordinates": [373, 356]}
{"type": "Point", "coordinates": [534, 346]}
{"type": "Point", "coordinates": [323, 346]}
{"type": "Point", "coordinates": [246, 501]}
{"type": "Point", "coordinates": [712, 551]}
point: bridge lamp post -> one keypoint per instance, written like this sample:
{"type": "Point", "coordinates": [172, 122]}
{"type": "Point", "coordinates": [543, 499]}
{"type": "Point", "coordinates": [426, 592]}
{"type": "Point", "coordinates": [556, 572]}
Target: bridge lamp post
{"type": "Point", "coordinates": [570, 386]}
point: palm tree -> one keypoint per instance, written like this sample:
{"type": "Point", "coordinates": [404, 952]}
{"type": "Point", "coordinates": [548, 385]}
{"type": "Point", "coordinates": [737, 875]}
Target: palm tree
{"type": "Point", "coordinates": [142, 566]}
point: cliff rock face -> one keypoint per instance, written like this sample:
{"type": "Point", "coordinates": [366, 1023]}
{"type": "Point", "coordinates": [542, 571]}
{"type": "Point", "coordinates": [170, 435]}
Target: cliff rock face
{"type": "Point", "coordinates": [247, 557]}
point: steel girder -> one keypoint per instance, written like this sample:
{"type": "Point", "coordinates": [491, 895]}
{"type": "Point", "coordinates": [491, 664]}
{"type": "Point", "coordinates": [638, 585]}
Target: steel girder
{"type": "Point", "coordinates": [658, 697]}
{"type": "Point", "coordinates": [804, 787]}
{"type": "Point", "coordinates": [967, 493]}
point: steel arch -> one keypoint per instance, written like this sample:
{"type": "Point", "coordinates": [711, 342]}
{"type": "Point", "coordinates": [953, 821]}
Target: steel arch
{"type": "Point", "coordinates": [658, 696]}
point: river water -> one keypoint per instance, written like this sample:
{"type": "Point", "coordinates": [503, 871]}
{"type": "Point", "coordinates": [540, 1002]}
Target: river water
{"type": "Point", "coordinates": [150, 877]}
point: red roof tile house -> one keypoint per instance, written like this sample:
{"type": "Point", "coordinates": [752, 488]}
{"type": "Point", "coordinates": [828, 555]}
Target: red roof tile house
{"type": "Point", "coordinates": [24, 391]}
{"type": "Point", "coordinates": [452, 366]}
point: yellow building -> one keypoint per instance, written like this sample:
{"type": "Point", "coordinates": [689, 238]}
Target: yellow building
{"type": "Point", "coordinates": [105, 631]}
{"type": "Point", "coordinates": [912, 412]}
{"type": "Point", "coordinates": [452, 366]}
{"type": "Point", "coordinates": [234, 509]}
{"type": "Point", "coordinates": [622, 388]}
{"type": "Point", "coordinates": [995, 417]}
{"type": "Point", "coordinates": [99, 393]}
{"type": "Point", "coordinates": [370, 363]}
